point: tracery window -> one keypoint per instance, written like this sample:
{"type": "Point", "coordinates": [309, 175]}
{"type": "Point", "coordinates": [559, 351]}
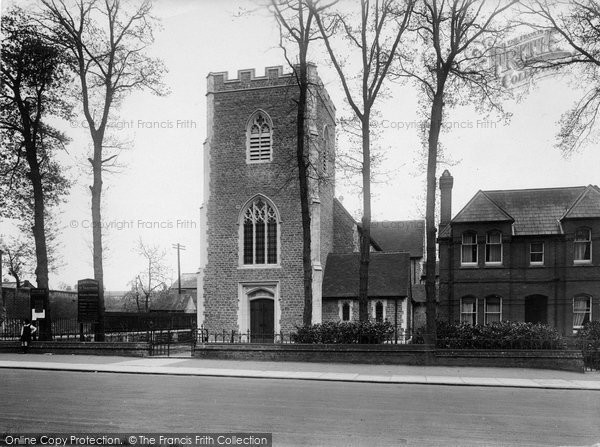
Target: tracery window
{"type": "Point", "coordinates": [260, 233]}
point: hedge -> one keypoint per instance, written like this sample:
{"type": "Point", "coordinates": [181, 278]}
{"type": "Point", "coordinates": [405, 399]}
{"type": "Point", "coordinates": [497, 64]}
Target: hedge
{"type": "Point", "coordinates": [496, 335]}
{"type": "Point", "coordinates": [344, 332]}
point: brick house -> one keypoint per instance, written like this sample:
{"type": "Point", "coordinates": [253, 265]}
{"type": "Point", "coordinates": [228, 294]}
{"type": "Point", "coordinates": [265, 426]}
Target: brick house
{"type": "Point", "coordinates": [251, 270]}
{"type": "Point", "coordinates": [522, 255]}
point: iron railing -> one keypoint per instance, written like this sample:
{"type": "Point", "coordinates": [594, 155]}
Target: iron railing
{"type": "Point", "coordinates": [207, 336]}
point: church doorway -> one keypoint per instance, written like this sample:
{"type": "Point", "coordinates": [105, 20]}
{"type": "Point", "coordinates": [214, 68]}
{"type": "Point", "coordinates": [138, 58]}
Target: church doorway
{"type": "Point", "coordinates": [262, 317]}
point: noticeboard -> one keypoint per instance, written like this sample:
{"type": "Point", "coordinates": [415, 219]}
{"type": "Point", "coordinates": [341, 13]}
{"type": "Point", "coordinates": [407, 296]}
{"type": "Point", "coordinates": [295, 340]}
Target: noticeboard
{"type": "Point", "coordinates": [37, 298]}
{"type": "Point", "coordinates": [88, 295]}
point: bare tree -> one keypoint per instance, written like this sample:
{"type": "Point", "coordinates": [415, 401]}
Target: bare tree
{"type": "Point", "coordinates": [455, 39]}
{"type": "Point", "coordinates": [20, 258]}
{"type": "Point", "coordinates": [34, 80]}
{"type": "Point", "coordinates": [376, 36]}
{"type": "Point", "coordinates": [576, 23]}
{"type": "Point", "coordinates": [152, 279]}
{"type": "Point", "coordinates": [108, 41]}
{"type": "Point", "coordinates": [296, 22]}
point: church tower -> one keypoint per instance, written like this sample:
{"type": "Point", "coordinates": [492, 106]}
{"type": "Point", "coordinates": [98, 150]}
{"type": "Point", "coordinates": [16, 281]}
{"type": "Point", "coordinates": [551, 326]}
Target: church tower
{"type": "Point", "coordinates": [251, 274]}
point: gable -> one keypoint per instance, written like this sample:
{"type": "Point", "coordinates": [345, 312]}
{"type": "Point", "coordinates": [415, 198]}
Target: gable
{"type": "Point", "coordinates": [482, 209]}
{"type": "Point", "coordinates": [586, 206]}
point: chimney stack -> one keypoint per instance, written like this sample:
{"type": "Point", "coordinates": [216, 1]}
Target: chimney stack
{"type": "Point", "coordinates": [446, 182]}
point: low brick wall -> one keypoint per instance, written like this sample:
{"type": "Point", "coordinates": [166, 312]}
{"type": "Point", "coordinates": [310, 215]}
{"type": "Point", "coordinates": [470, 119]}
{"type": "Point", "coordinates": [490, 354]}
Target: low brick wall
{"type": "Point", "coordinates": [566, 360]}
{"type": "Point", "coordinates": [83, 348]}
{"type": "Point", "coordinates": [370, 354]}
{"type": "Point", "coordinates": [570, 360]}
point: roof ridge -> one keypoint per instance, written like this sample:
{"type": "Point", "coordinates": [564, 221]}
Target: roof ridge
{"type": "Point", "coordinates": [533, 189]}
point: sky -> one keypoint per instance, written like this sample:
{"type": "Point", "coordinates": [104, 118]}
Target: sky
{"type": "Point", "coordinates": [157, 194]}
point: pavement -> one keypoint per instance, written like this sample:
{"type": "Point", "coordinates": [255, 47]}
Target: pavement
{"type": "Point", "coordinates": [337, 372]}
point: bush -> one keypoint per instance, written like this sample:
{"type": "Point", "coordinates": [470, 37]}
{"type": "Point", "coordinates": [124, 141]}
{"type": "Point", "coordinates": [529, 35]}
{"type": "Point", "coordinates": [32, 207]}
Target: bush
{"type": "Point", "coordinates": [497, 335]}
{"type": "Point", "coordinates": [590, 331]}
{"type": "Point", "coordinates": [344, 332]}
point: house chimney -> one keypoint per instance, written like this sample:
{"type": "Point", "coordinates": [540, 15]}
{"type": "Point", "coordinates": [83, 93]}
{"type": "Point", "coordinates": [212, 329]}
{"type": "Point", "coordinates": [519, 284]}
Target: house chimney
{"type": "Point", "coordinates": [446, 182]}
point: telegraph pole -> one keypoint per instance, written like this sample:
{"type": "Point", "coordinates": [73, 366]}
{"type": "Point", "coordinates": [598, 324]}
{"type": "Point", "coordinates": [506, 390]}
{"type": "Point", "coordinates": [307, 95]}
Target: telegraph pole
{"type": "Point", "coordinates": [178, 247]}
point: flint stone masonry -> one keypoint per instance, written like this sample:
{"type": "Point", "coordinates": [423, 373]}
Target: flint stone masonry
{"type": "Point", "coordinates": [233, 183]}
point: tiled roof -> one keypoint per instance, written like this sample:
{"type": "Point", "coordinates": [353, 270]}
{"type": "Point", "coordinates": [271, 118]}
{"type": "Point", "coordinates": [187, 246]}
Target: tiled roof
{"type": "Point", "coordinates": [188, 281]}
{"type": "Point", "coordinates": [482, 209]}
{"type": "Point", "coordinates": [389, 275]}
{"type": "Point", "coordinates": [400, 235]}
{"type": "Point", "coordinates": [533, 211]}
{"type": "Point", "coordinates": [536, 211]}
{"type": "Point", "coordinates": [174, 303]}
{"type": "Point", "coordinates": [587, 205]}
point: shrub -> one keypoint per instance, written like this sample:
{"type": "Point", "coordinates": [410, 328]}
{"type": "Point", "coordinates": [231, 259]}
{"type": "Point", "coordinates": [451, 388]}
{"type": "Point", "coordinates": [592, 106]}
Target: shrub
{"type": "Point", "coordinates": [496, 335]}
{"type": "Point", "coordinates": [332, 332]}
{"type": "Point", "coordinates": [589, 331]}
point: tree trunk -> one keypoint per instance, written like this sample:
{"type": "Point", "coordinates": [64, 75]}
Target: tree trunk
{"type": "Point", "coordinates": [365, 236]}
{"type": "Point", "coordinates": [430, 276]}
{"type": "Point", "coordinates": [301, 157]}
{"type": "Point", "coordinates": [96, 190]}
{"type": "Point", "coordinates": [39, 235]}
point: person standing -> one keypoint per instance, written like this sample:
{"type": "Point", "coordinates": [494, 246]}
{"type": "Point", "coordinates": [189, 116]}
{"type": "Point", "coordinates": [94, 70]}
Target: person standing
{"type": "Point", "coordinates": [26, 333]}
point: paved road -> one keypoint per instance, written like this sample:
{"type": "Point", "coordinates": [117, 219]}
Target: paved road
{"type": "Point", "coordinates": [298, 412]}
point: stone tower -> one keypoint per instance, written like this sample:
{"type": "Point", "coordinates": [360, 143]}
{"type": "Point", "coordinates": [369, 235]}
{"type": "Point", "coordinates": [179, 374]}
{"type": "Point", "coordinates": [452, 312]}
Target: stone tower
{"type": "Point", "coordinates": [251, 275]}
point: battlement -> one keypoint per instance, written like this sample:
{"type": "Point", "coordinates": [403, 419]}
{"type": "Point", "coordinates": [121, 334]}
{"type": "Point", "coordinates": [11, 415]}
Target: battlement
{"type": "Point", "coordinates": [274, 76]}
{"type": "Point", "coordinates": [247, 79]}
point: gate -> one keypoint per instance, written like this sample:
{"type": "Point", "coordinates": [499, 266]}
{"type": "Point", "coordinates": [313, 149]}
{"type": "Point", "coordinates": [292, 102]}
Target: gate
{"type": "Point", "coordinates": [167, 342]}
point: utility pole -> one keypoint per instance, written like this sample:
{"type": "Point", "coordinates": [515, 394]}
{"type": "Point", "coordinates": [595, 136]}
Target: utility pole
{"type": "Point", "coordinates": [178, 247]}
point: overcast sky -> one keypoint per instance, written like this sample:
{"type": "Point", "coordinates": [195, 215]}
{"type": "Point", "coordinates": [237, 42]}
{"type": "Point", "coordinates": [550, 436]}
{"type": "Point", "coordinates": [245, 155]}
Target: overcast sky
{"type": "Point", "coordinates": [161, 183]}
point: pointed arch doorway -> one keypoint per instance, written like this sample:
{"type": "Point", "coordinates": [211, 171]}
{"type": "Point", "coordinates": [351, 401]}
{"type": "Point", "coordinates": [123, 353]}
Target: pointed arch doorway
{"type": "Point", "coordinates": [259, 312]}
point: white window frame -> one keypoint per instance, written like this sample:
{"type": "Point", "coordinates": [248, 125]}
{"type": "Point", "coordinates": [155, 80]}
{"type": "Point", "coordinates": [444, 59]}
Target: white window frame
{"type": "Point", "coordinates": [543, 252]}
{"type": "Point", "coordinates": [374, 309]}
{"type": "Point", "coordinates": [588, 241]}
{"type": "Point", "coordinates": [476, 302]}
{"type": "Point", "coordinates": [485, 310]}
{"type": "Point", "coordinates": [241, 263]}
{"type": "Point", "coordinates": [489, 244]}
{"type": "Point", "coordinates": [341, 310]}
{"type": "Point", "coordinates": [590, 302]}
{"type": "Point", "coordinates": [249, 125]}
{"type": "Point", "coordinates": [462, 261]}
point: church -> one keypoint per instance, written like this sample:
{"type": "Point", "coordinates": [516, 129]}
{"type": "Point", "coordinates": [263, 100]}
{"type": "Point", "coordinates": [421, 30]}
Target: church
{"type": "Point", "coordinates": [250, 279]}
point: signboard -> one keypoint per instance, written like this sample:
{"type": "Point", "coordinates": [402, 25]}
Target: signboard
{"type": "Point", "coordinates": [88, 292]}
{"type": "Point", "coordinates": [37, 298]}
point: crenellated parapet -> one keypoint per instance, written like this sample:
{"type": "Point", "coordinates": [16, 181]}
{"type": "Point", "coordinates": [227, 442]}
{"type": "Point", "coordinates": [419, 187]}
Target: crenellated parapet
{"type": "Point", "coordinates": [247, 79]}
{"type": "Point", "coordinates": [275, 76]}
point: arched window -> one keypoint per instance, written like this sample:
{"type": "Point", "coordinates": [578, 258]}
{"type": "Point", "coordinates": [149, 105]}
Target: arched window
{"type": "Point", "coordinates": [379, 312]}
{"type": "Point", "coordinates": [259, 140]}
{"type": "Point", "coordinates": [326, 150]}
{"type": "Point", "coordinates": [583, 246]}
{"type": "Point", "coordinates": [346, 312]}
{"type": "Point", "coordinates": [493, 247]}
{"type": "Point", "coordinates": [260, 233]}
{"type": "Point", "coordinates": [469, 248]}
